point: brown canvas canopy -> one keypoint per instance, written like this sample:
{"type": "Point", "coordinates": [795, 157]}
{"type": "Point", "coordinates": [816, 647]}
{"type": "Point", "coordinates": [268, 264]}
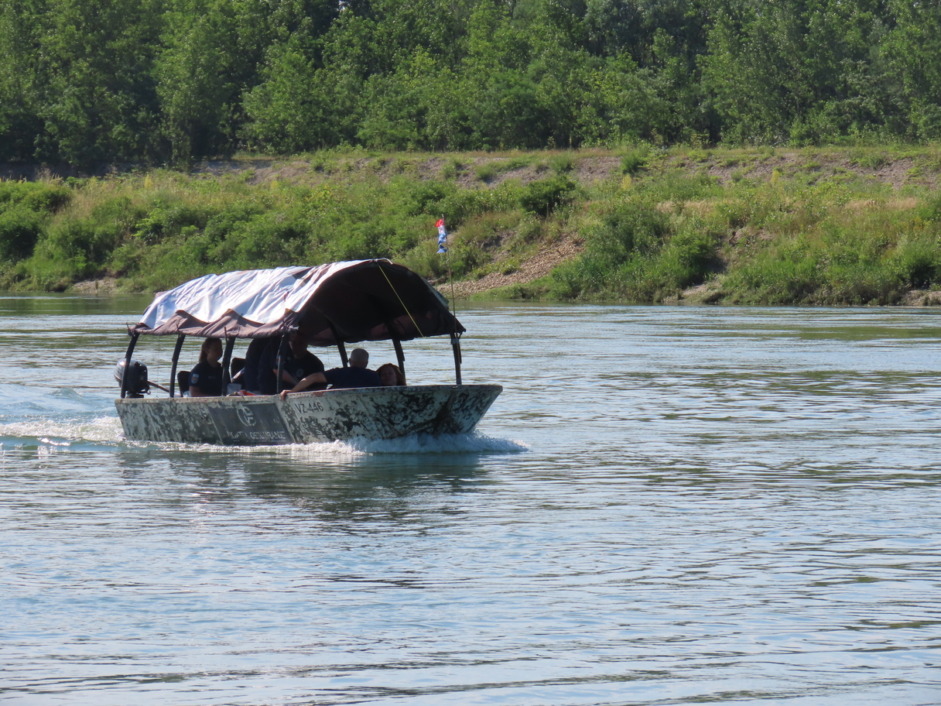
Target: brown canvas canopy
{"type": "Point", "coordinates": [341, 302]}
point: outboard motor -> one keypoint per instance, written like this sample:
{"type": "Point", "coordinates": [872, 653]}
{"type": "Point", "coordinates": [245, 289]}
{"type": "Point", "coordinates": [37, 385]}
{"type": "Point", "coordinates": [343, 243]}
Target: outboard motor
{"type": "Point", "coordinates": [137, 384]}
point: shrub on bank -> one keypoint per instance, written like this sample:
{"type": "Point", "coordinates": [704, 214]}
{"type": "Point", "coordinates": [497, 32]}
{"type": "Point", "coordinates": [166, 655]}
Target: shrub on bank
{"type": "Point", "coordinates": [757, 228]}
{"type": "Point", "coordinates": [639, 253]}
{"type": "Point", "coordinates": [25, 210]}
{"type": "Point", "coordinates": [20, 228]}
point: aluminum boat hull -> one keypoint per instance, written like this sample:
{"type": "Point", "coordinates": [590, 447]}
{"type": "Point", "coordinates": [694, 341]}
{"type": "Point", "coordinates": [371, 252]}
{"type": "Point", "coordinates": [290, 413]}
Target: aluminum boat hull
{"type": "Point", "coordinates": [308, 417]}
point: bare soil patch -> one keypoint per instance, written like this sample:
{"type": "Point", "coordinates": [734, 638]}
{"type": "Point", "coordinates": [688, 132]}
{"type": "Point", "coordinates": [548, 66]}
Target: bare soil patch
{"type": "Point", "coordinates": [104, 286]}
{"type": "Point", "coordinates": [533, 268]}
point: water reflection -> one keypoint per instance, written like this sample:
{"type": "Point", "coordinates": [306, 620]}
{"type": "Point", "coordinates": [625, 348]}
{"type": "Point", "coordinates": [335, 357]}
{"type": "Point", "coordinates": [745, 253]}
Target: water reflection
{"type": "Point", "coordinates": [366, 498]}
{"type": "Point", "coordinates": [335, 485]}
{"type": "Point", "coordinates": [71, 305]}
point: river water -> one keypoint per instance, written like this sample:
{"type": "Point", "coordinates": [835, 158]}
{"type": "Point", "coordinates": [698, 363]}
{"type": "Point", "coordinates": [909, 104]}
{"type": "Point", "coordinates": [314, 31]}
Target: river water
{"type": "Point", "coordinates": [665, 506]}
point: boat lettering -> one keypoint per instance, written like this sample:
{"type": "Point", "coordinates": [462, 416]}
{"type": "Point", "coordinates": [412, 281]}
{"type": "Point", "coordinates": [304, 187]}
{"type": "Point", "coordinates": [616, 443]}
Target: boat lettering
{"type": "Point", "coordinates": [263, 436]}
{"type": "Point", "coordinates": [246, 416]}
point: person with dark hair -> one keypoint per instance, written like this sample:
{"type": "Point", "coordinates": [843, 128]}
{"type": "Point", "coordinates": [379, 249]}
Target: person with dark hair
{"type": "Point", "coordinates": [391, 375]}
{"type": "Point", "coordinates": [206, 377]}
{"type": "Point", "coordinates": [266, 377]}
{"type": "Point", "coordinates": [248, 375]}
{"type": "Point", "coordinates": [356, 375]}
{"type": "Point", "coordinates": [299, 362]}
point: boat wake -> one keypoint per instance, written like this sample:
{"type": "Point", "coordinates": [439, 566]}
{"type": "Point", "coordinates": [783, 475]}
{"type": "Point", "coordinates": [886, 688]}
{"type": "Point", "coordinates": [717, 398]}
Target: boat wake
{"type": "Point", "coordinates": [473, 443]}
{"type": "Point", "coordinates": [30, 432]}
{"type": "Point", "coordinates": [448, 444]}
{"type": "Point", "coordinates": [107, 430]}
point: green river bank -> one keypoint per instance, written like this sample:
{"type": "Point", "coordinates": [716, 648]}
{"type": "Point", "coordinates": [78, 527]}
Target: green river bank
{"type": "Point", "coordinates": [825, 226]}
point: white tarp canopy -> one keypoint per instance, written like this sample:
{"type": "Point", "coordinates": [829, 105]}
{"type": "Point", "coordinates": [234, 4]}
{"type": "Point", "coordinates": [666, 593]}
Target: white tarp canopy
{"type": "Point", "coordinates": [359, 300]}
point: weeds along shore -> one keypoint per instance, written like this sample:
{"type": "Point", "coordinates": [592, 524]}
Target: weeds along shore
{"type": "Point", "coordinates": [816, 226]}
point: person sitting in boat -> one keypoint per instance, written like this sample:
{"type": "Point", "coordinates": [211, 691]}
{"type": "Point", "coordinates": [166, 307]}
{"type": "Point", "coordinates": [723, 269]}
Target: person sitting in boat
{"type": "Point", "coordinates": [247, 377]}
{"type": "Point", "coordinates": [391, 375]}
{"type": "Point", "coordinates": [298, 363]}
{"type": "Point", "coordinates": [266, 374]}
{"type": "Point", "coordinates": [356, 375]}
{"type": "Point", "coordinates": [206, 377]}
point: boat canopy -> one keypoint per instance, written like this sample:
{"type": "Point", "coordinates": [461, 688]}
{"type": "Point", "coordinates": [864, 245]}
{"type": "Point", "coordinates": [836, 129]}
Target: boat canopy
{"type": "Point", "coordinates": [340, 302]}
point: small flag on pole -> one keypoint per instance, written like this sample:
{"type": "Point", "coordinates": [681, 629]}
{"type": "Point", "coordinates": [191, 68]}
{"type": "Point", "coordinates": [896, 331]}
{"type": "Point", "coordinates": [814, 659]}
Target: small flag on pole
{"type": "Point", "coordinates": [442, 236]}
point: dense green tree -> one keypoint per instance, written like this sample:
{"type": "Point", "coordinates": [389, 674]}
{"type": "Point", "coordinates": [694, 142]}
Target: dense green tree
{"type": "Point", "coordinates": [298, 107]}
{"type": "Point", "coordinates": [630, 26]}
{"type": "Point", "coordinates": [499, 96]}
{"type": "Point", "coordinates": [91, 81]}
{"type": "Point", "coordinates": [613, 27]}
{"type": "Point", "coordinates": [913, 50]}
{"type": "Point", "coordinates": [96, 95]}
{"type": "Point", "coordinates": [618, 105]}
{"type": "Point", "coordinates": [421, 106]}
{"type": "Point", "coordinates": [209, 49]}
{"type": "Point", "coordinates": [804, 70]}
{"type": "Point", "coordinates": [20, 125]}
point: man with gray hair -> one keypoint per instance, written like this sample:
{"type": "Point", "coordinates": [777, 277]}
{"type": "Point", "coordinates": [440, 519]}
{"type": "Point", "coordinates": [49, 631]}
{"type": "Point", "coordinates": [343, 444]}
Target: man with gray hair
{"type": "Point", "coordinates": [357, 375]}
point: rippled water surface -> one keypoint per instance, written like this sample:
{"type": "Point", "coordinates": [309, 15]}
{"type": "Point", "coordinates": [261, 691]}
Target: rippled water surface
{"type": "Point", "coordinates": [665, 506]}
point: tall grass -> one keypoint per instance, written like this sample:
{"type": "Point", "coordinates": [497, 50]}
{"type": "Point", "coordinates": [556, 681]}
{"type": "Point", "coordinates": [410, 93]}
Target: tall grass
{"type": "Point", "coordinates": [755, 226]}
{"type": "Point", "coordinates": [638, 253]}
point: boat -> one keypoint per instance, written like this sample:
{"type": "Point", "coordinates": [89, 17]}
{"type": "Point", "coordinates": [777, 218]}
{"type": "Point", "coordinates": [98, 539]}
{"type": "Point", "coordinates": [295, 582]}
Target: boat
{"type": "Point", "coordinates": [331, 305]}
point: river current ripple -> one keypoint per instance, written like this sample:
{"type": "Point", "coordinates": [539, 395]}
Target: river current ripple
{"type": "Point", "coordinates": [665, 506]}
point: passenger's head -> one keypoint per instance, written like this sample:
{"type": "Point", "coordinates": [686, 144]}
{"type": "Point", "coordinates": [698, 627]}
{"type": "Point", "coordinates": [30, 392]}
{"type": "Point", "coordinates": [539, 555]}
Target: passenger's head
{"type": "Point", "coordinates": [390, 374]}
{"type": "Point", "coordinates": [298, 343]}
{"type": "Point", "coordinates": [211, 350]}
{"type": "Point", "coordinates": [359, 358]}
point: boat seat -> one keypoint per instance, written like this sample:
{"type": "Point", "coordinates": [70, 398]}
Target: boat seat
{"type": "Point", "coordinates": [183, 380]}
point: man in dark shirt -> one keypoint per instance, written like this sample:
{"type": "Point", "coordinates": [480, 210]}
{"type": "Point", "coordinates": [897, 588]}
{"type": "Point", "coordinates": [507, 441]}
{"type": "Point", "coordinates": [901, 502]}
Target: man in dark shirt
{"type": "Point", "coordinates": [357, 375]}
{"type": "Point", "coordinates": [298, 364]}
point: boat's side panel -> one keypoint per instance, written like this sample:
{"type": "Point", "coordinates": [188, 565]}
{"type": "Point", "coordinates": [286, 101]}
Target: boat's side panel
{"type": "Point", "coordinates": [250, 422]}
{"type": "Point", "coordinates": [387, 413]}
{"type": "Point", "coordinates": [242, 421]}
{"type": "Point", "coordinates": [464, 409]}
{"type": "Point", "coordinates": [371, 413]}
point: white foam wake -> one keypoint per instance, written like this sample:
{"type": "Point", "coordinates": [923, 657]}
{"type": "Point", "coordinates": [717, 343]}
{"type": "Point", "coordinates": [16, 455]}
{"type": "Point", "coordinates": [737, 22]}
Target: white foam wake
{"type": "Point", "coordinates": [62, 432]}
{"type": "Point", "coordinates": [57, 432]}
{"type": "Point", "coordinates": [355, 448]}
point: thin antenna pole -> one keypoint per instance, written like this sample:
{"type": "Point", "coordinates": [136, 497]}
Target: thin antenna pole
{"type": "Point", "coordinates": [442, 244]}
{"type": "Point", "coordinates": [455, 336]}
{"type": "Point", "coordinates": [451, 279]}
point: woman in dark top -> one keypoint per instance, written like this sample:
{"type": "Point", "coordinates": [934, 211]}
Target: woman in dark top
{"type": "Point", "coordinates": [391, 375]}
{"type": "Point", "coordinates": [206, 377]}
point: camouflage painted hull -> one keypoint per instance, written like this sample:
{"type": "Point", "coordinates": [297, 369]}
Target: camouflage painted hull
{"type": "Point", "coordinates": [305, 417]}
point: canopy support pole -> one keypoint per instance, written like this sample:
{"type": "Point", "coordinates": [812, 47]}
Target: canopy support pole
{"type": "Point", "coordinates": [341, 347]}
{"type": "Point", "coordinates": [127, 362]}
{"type": "Point", "coordinates": [399, 354]}
{"type": "Point", "coordinates": [176, 357]}
{"type": "Point", "coordinates": [456, 347]}
{"type": "Point", "coordinates": [226, 359]}
{"type": "Point", "coordinates": [282, 350]}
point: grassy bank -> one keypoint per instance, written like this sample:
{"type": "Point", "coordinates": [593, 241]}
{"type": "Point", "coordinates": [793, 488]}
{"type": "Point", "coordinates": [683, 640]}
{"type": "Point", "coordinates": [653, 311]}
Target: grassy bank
{"type": "Point", "coordinates": [859, 225]}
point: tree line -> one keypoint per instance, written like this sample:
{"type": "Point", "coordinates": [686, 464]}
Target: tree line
{"type": "Point", "coordinates": [86, 82]}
